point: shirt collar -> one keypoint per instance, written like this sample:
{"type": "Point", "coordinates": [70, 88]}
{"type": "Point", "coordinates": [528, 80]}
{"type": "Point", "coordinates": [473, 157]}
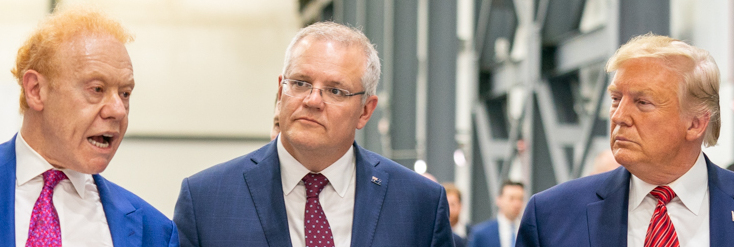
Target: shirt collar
{"type": "Point", "coordinates": [690, 188]}
{"type": "Point", "coordinates": [340, 173]}
{"type": "Point", "coordinates": [30, 164]}
{"type": "Point", "coordinates": [504, 220]}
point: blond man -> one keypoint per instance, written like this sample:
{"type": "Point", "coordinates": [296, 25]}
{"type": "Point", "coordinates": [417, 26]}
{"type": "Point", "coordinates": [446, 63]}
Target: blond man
{"type": "Point", "coordinates": [665, 107]}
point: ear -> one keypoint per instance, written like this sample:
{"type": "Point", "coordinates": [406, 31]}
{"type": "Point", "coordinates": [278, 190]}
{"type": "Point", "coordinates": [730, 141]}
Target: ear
{"type": "Point", "coordinates": [367, 110]}
{"type": "Point", "coordinates": [697, 126]}
{"type": "Point", "coordinates": [35, 87]}
{"type": "Point", "coordinates": [280, 87]}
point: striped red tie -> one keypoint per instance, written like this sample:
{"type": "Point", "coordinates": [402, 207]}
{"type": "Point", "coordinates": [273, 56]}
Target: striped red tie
{"type": "Point", "coordinates": [661, 231]}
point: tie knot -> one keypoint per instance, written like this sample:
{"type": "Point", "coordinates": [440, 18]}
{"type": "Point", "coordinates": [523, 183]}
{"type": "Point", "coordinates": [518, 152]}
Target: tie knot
{"type": "Point", "coordinates": [52, 177]}
{"type": "Point", "coordinates": [315, 182]}
{"type": "Point", "coordinates": [663, 193]}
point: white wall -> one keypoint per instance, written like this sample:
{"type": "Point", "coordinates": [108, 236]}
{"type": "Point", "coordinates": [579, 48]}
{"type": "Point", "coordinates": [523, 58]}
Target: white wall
{"type": "Point", "coordinates": [707, 25]}
{"type": "Point", "coordinates": [17, 19]}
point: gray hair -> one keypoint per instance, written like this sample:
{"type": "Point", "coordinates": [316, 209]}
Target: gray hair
{"type": "Point", "coordinates": [699, 89]}
{"type": "Point", "coordinates": [347, 36]}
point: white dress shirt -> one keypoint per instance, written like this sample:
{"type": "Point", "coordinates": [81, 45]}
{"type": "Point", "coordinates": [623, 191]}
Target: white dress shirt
{"type": "Point", "coordinates": [81, 216]}
{"type": "Point", "coordinates": [337, 198]}
{"type": "Point", "coordinates": [507, 230]}
{"type": "Point", "coordinates": [689, 210]}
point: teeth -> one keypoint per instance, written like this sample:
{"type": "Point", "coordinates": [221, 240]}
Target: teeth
{"type": "Point", "coordinates": [98, 144]}
{"type": "Point", "coordinates": [107, 135]}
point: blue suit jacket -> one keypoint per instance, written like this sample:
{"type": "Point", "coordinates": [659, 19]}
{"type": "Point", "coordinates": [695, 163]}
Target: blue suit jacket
{"type": "Point", "coordinates": [485, 234]}
{"type": "Point", "coordinates": [240, 203]}
{"type": "Point", "coordinates": [592, 211]}
{"type": "Point", "coordinates": [132, 221]}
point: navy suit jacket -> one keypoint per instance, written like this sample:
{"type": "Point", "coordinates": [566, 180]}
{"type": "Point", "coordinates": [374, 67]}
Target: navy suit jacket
{"type": "Point", "coordinates": [240, 203]}
{"type": "Point", "coordinates": [485, 234]}
{"type": "Point", "coordinates": [132, 221]}
{"type": "Point", "coordinates": [592, 211]}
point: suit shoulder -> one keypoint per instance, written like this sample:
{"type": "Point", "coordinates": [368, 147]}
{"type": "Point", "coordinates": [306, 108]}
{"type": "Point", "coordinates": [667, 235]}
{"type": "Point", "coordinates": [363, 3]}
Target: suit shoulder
{"type": "Point", "coordinates": [233, 167]}
{"type": "Point", "coordinates": [137, 202]}
{"type": "Point", "coordinates": [401, 174]}
{"type": "Point", "coordinates": [222, 169]}
{"type": "Point", "coordinates": [580, 189]}
{"type": "Point", "coordinates": [486, 225]}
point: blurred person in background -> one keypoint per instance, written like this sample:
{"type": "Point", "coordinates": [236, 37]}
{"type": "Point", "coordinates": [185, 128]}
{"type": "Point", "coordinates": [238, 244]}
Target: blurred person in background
{"type": "Point", "coordinates": [275, 131]}
{"type": "Point", "coordinates": [453, 195]}
{"type": "Point", "coordinates": [665, 107]}
{"type": "Point", "coordinates": [604, 162]}
{"type": "Point", "coordinates": [76, 80]}
{"type": "Point", "coordinates": [501, 231]}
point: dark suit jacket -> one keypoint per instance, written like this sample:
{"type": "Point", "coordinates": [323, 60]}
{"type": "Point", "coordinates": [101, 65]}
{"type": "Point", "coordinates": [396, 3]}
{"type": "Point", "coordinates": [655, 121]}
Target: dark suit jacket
{"type": "Point", "coordinates": [485, 234]}
{"type": "Point", "coordinates": [458, 240]}
{"type": "Point", "coordinates": [592, 211]}
{"type": "Point", "coordinates": [240, 203]}
{"type": "Point", "coordinates": [132, 221]}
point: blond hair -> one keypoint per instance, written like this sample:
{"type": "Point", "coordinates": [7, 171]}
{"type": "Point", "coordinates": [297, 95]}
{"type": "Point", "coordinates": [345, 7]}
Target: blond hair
{"type": "Point", "coordinates": [39, 50]}
{"type": "Point", "coordinates": [699, 89]}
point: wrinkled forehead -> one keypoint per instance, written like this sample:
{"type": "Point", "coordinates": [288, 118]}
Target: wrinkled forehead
{"type": "Point", "coordinates": [92, 47]}
{"type": "Point", "coordinates": [646, 74]}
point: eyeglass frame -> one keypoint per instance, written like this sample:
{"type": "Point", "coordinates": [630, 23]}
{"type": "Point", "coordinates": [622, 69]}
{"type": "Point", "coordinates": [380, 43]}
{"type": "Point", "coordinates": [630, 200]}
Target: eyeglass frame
{"type": "Point", "coordinates": [311, 87]}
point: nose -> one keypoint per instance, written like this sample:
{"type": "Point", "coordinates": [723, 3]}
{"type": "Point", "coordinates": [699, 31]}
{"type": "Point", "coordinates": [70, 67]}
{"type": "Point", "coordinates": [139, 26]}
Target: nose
{"type": "Point", "coordinates": [619, 115]}
{"type": "Point", "coordinates": [114, 108]}
{"type": "Point", "coordinates": [315, 98]}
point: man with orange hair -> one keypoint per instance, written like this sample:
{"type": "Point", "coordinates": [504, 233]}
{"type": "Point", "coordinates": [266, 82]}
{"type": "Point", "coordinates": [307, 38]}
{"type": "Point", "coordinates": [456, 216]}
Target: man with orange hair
{"type": "Point", "coordinates": [76, 79]}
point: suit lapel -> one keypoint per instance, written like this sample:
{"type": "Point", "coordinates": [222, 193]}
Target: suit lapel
{"type": "Point", "coordinates": [7, 192]}
{"type": "Point", "coordinates": [607, 218]}
{"type": "Point", "coordinates": [721, 205]}
{"type": "Point", "coordinates": [126, 224]}
{"type": "Point", "coordinates": [266, 190]}
{"type": "Point", "coordinates": [370, 193]}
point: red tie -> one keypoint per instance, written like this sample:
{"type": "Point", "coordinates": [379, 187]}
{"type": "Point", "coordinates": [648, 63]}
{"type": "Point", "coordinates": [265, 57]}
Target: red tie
{"type": "Point", "coordinates": [44, 229]}
{"type": "Point", "coordinates": [661, 231]}
{"type": "Point", "coordinates": [318, 231]}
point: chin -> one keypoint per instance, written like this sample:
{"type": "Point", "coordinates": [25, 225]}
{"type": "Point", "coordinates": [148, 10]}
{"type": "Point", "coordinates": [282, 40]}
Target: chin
{"type": "Point", "coordinates": [94, 166]}
{"type": "Point", "coordinates": [302, 139]}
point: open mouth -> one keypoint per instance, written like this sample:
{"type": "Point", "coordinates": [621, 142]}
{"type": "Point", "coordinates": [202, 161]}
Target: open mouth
{"type": "Point", "coordinates": [101, 141]}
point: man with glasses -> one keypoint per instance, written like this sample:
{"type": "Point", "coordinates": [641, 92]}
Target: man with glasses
{"type": "Point", "coordinates": [313, 185]}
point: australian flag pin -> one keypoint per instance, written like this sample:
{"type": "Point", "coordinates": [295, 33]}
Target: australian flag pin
{"type": "Point", "coordinates": [376, 180]}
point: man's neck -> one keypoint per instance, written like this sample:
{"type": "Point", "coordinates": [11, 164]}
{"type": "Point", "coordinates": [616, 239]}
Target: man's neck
{"type": "Point", "coordinates": [504, 217]}
{"type": "Point", "coordinates": [685, 161]}
{"type": "Point", "coordinates": [315, 160]}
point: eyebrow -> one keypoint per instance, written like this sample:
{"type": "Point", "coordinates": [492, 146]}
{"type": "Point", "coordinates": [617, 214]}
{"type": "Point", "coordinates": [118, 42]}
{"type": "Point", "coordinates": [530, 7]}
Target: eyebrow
{"type": "Point", "coordinates": [636, 93]}
{"type": "Point", "coordinates": [306, 78]}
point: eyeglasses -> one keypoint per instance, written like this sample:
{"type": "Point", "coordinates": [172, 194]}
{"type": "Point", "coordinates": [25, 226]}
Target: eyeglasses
{"type": "Point", "coordinates": [330, 95]}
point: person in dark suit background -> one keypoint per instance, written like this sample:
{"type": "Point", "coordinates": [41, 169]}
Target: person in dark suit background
{"type": "Point", "coordinates": [502, 230]}
{"type": "Point", "coordinates": [459, 229]}
{"type": "Point", "coordinates": [76, 79]}
{"type": "Point", "coordinates": [665, 106]}
{"type": "Point", "coordinates": [326, 92]}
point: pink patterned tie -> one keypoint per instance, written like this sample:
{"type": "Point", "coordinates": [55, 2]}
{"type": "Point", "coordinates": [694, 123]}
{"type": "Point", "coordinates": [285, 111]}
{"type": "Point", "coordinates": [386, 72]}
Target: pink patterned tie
{"type": "Point", "coordinates": [45, 229]}
{"type": "Point", "coordinates": [660, 232]}
{"type": "Point", "coordinates": [318, 231]}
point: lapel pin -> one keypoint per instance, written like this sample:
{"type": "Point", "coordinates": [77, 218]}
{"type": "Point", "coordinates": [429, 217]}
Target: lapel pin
{"type": "Point", "coordinates": [377, 181]}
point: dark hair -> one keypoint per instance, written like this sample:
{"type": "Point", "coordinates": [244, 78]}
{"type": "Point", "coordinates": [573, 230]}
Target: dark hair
{"type": "Point", "coordinates": [510, 183]}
